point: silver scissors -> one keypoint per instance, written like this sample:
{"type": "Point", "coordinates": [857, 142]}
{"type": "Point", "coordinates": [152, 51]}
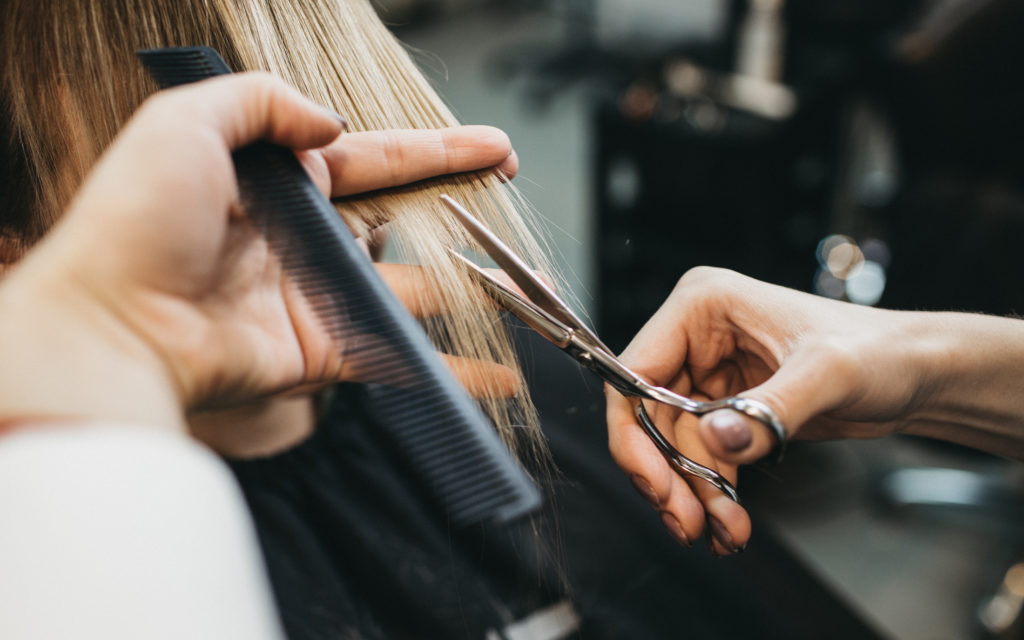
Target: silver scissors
{"type": "Point", "coordinates": [543, 311]}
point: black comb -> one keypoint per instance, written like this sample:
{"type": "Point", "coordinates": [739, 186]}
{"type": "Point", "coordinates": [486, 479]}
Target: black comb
{"type": "Point", "coordinates": [441, 434]}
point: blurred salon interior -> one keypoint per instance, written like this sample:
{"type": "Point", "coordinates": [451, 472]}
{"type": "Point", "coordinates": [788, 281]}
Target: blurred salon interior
{"type": "Point", "coordinates": [863, 150]}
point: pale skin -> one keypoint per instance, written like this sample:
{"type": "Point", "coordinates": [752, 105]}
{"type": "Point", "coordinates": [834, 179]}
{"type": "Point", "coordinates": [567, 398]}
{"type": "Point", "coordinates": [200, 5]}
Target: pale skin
{"type": "Point", "coordinates": [828, 369]}
{"type": "Point", "coordinates": [146, 309]}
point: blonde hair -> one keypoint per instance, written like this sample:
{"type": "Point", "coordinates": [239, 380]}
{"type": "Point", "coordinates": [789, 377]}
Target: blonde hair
{"type": "Point", "coordinates": [70, 79]}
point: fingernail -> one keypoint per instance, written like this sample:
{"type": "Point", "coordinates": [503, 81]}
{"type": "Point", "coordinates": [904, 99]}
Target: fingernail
{"type": "Point", "coordinates": [504, 177]}
{"type": "Point", "coordinates": [645, 489]}
{"type": "Point", "coordinates": [340, 118]}
{"type": "Point", "coordinates": [675, 528]}
{"type": "Point", "coordinates": [712, 550]}
{"type": "Point", "coordinates": [731, 429]}
{"type": "Point", "coordinates": [721, 534]}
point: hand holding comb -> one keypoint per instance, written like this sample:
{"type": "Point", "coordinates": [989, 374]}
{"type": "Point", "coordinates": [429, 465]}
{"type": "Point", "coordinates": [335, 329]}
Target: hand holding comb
{"type": "Point", "coordinates": [443, 437]}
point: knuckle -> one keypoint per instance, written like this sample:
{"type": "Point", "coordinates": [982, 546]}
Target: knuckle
{"type": "Point", "coordinates": [449, 153]}
{"type": "Point", "coordinates": [174, 113]}
{"type": "Point", "coordinates": [264, 94]}
{"type": "Point", "coordinates": [165, 105]}
{"type": "Point", "coordinates": [700, 284]}
{"type": "Point", "coordinates": [394, 155]}
{"type": "Point", "coordinates": [259, 88]}
{"type": "Point", "coordinates": [704, 275]}
{"type": "Point", "coordinates": [260, 80]}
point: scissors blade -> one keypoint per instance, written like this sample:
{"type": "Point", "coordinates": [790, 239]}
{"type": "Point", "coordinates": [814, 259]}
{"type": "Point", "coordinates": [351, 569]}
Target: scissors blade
{"type": "Point", "coordinates": [534, 317]}
{"type": "Point", "coordinates": [535, 289]}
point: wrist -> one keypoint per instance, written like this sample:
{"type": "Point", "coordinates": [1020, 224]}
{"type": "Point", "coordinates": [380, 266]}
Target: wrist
{"type": "Point", "coordinates": [972, 392]}
{"type": "Point", "coordinates": [66, 357]}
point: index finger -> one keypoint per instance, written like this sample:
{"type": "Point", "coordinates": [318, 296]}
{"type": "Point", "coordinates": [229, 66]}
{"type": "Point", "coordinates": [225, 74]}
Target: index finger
{"type": "Point", "coordinates": [370, 160]}
{"type": "Point", "coordinates": [659, 350]}
{"type": "Point", "coordinates": [420, 292]}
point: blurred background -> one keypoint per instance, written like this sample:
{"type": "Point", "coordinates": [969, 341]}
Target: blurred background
{"type": "Point", "coordinates": [865, 150]}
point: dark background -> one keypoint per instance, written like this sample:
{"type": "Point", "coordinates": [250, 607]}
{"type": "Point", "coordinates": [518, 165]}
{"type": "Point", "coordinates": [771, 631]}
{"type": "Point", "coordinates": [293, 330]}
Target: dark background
{"type": "Point", "coordinates": [906, 138]}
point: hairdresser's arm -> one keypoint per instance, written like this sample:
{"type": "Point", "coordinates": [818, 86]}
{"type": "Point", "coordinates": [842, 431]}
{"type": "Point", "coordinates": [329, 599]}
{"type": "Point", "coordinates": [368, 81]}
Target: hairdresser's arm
{"type": "Point", "coordinates": [150, 298]}
{"type": "Point", "coordinates": [114, 532]}
{"type": "Point", "coordinates": [828, 369]}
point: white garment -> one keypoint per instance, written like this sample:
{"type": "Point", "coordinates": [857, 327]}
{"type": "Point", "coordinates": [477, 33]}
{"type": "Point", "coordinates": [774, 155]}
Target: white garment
{"type": "Point", "coordinates": [119, 532]}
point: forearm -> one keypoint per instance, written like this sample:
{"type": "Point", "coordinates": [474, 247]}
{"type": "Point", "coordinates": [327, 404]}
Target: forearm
{"type": "Point", "coordinates": [973, 382]}
{"type": "Point", "coordinates": [65, 358]}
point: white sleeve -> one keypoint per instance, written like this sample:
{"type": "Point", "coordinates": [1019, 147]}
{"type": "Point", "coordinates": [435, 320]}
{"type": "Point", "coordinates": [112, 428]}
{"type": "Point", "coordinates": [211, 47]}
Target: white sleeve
{"type": "Point", "coordinates": [114, 532]}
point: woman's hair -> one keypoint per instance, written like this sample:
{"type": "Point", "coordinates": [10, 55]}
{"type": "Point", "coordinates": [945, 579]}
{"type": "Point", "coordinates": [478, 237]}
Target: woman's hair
{"type": "Point", "coordinates": [70, 79]}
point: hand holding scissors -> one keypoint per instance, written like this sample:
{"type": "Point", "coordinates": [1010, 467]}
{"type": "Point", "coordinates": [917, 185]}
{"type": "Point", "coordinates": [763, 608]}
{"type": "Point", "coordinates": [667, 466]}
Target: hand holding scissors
{"type": "Point", "coordinates": [542, 310]}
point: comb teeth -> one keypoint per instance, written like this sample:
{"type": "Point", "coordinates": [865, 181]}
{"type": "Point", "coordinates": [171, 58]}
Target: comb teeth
{"type": "Point", "coordinates": [173, 67]}
{"type": "Point", "coordinates": [442, 435]}
{"type": "Point", "coordinates": [437, 448]}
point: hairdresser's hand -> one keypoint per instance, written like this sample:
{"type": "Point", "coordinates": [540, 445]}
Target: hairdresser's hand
{"type": "Point", "coordinates": [153, 296]}
{"type": "Point", "coordinates": [371, 160]}
{"type": "Point", "coordinates": [828, 369]}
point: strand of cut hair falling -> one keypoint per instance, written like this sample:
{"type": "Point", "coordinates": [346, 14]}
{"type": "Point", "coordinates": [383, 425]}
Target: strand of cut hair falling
{"type": "Point", "coordinates": [340, 55]}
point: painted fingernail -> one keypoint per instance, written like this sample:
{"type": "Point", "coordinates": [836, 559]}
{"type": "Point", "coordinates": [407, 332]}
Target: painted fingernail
{"type": "Point", "coordinates": [645, 489]}
{"type": "Point", "coordinates": [675, 528]}
{"type": "Point", "coordinates": [712, 548]}
{"type": "Point", "coordinates": [340, 118]}
{"type": "Point", "coordinates": [721, 534]}
{"type": "Point", "coordinates": [732, 430]}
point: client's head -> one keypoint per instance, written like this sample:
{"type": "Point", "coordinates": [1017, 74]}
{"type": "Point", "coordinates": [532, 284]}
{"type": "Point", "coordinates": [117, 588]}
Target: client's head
{"type": "Point", "coordinates": [69, 79]}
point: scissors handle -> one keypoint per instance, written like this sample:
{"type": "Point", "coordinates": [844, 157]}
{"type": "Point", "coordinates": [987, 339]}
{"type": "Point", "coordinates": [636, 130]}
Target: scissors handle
{"type": "Point", "coordinates": [685, 466]}
{"type": "Point", "coordinates": [754, 409]}
{"type": "Point", "coordinates": [680, 463]}
{"type": "Point", "coordinates": [748, 406]}
{"type": "Point", "coordinates": [630, 384]}
{"type": "Point", "coordinates": [618, 375]}
{"type": "Point", "coordinates": [542, 310]}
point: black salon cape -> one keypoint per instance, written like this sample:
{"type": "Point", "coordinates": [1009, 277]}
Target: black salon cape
{"type": "Point", "coordinates": [354, 551]}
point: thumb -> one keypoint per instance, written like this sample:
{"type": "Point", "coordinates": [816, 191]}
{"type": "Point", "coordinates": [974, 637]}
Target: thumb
{"type": "Point", "coordinates": [244, 107]}
{"type": "Point", "coordinates": [809, 383]}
